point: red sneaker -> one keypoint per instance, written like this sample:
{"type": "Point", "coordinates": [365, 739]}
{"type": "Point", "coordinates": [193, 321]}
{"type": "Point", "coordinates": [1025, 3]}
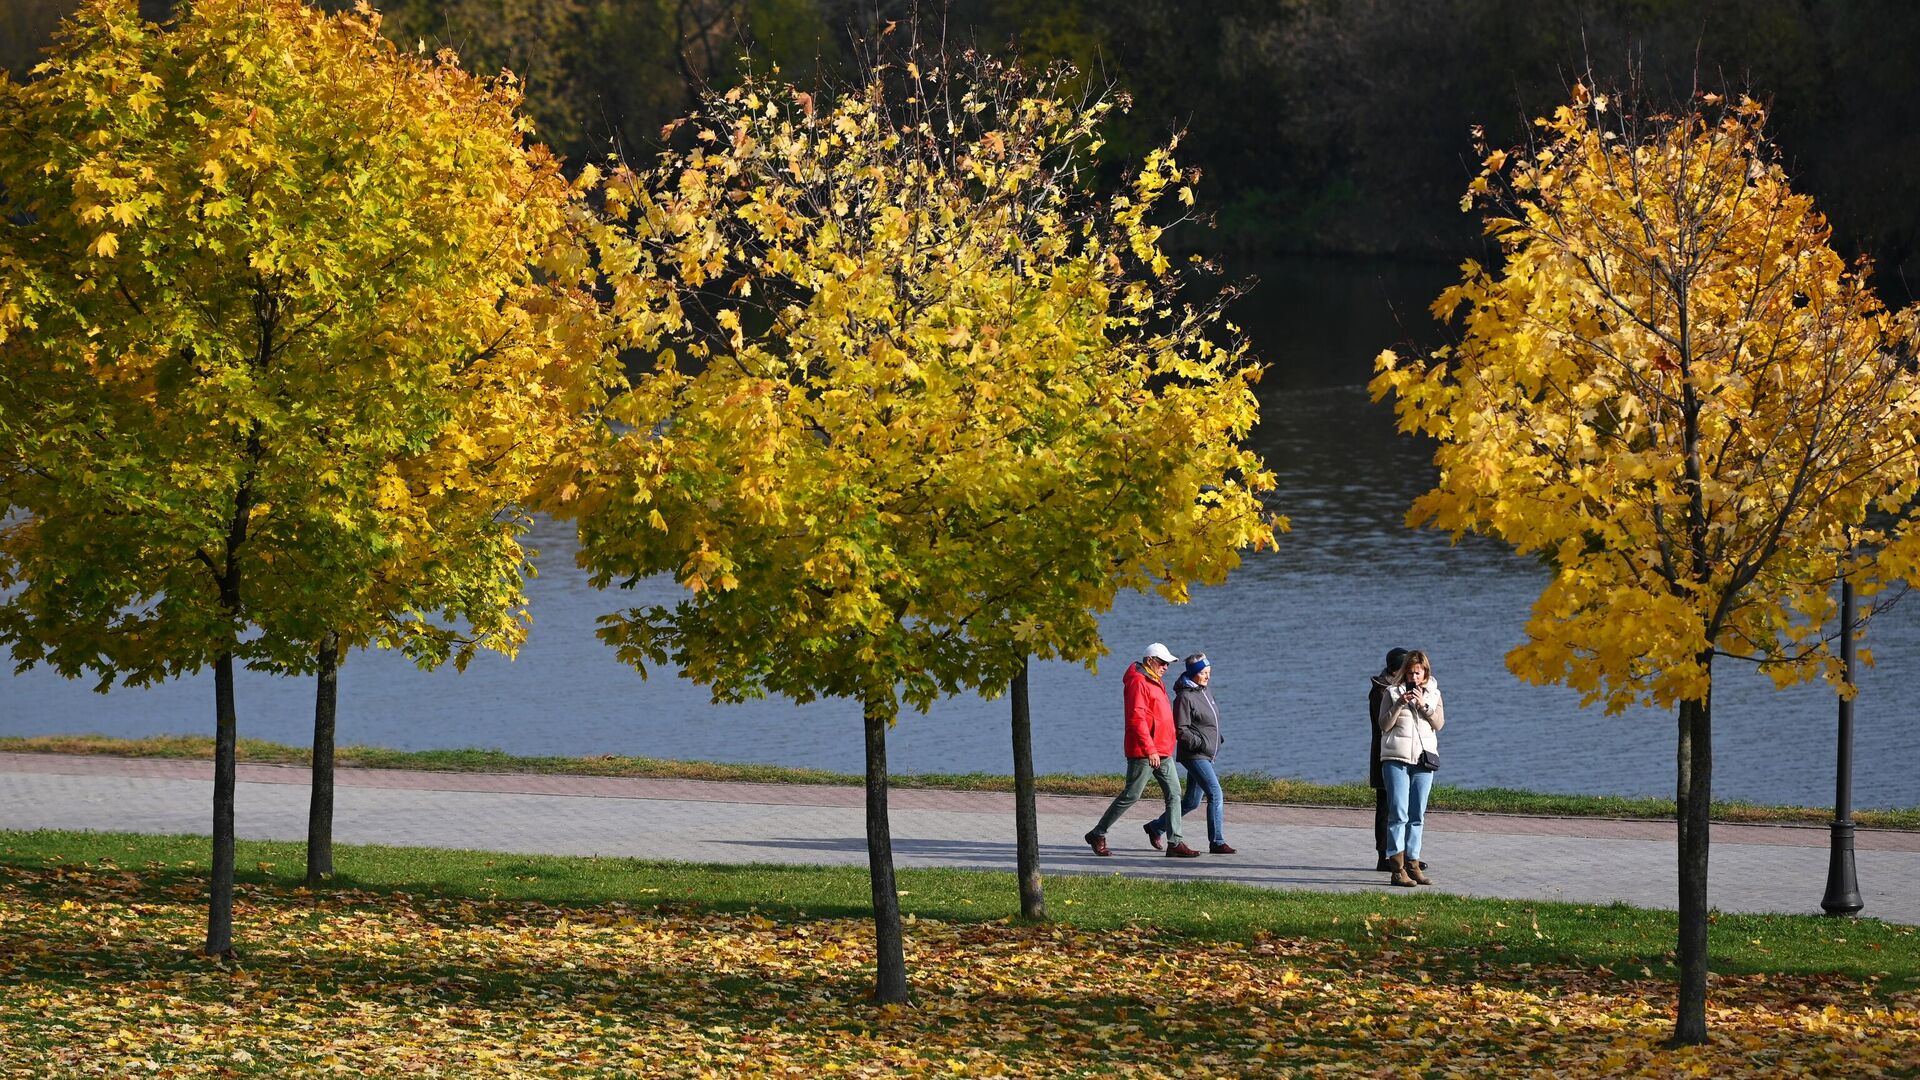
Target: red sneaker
{"type": "Point", "coordinates": [1157, 839]}
{"type": "Point", "coordinates": [1182, 851]}
{"type": "Point", "coordinates": [1099, 843]}
{"type": "Point", "coordinates": [1221, 849]}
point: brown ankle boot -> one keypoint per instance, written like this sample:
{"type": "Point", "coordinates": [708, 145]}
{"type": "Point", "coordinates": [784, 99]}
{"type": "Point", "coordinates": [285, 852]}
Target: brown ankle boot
{"type": "Point", "coordinates": [1413, 871]}
{"type": "Point", "coordinates": [1399, 863]}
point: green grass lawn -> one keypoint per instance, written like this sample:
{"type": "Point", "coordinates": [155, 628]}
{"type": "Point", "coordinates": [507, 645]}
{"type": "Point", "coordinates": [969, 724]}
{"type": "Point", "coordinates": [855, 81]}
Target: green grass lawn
{"type": "Point", "coordinates": [1240, 787]}
{"type": "Point", "coordinates": [460, 963]}
{"type": "Point", "coordinates": [1469, 930]}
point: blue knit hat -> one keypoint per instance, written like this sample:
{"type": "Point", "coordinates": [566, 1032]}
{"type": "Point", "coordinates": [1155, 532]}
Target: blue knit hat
{"type": "Point", "coordinates": [1196, 665]}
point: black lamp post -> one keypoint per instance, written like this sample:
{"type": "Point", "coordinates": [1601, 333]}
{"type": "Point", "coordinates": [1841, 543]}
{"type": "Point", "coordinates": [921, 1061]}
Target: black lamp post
{"type": "Point", "coordinates": [1843, 889]}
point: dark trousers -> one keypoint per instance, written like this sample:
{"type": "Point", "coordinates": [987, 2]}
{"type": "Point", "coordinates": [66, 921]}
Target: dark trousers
{"type": "Point", "coordinates": [1380, 821]}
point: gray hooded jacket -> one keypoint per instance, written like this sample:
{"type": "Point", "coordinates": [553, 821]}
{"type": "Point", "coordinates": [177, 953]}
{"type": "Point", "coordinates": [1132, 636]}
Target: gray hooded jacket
{"type": "Point", "coordinates": [1196, 721]}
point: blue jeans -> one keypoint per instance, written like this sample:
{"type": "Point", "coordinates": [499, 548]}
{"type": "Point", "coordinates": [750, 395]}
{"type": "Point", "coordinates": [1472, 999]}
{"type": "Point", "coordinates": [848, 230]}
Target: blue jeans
{"type": "Point", "coordinates": [1407, 789]}
{"type": "Point", "coordinates": [1137, 772]}
{"type": "Point", "coordinates": [1201, 780]}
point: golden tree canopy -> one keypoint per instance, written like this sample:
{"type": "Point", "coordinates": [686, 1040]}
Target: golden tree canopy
{"type": "Point", "coordinates": [1673, 391]}
{"type": "Point", "coordinates": [290, 323]}
{"type": "Point", "coordinates": [922, 403]}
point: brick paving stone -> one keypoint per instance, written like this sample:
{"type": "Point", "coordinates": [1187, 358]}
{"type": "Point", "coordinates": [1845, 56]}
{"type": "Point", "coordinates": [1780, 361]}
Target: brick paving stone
{"type": "Point", "coordinates": [1578, 860]}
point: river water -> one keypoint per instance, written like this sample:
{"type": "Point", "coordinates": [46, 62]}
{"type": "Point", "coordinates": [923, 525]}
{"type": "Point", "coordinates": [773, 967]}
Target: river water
{"type": "Point", "coordinates": [1294, 636]}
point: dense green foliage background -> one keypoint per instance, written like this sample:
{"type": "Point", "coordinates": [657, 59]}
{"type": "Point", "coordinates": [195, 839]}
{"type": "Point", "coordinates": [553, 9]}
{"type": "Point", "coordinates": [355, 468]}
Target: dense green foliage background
{"type": "Point", "coordinates": [1334, 126]}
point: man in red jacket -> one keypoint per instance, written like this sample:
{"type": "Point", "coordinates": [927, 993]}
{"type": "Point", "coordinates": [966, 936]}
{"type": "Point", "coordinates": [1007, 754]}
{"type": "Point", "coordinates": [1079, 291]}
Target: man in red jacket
{"type": "Point", "coordinates": [1149, 748]}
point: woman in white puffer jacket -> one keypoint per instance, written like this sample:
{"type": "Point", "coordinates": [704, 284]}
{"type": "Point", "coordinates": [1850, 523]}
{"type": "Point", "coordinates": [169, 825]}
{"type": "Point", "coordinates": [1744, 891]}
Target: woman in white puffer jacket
{"type": "Point", "coordinates": [1411, 716]}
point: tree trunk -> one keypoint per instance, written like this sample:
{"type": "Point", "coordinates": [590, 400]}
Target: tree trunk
{"type": "Point", "coordinates": [225, 729]}
{"type": "Point", "coordinates": [1033, 904]}
{"type": "Point", "coordinates": [226, 726]}
{"type": "Point", "coordinates": [320, 806]}
{"type": "Point", "coordinates": [1695, 800]}
{"type": "Point", "coordinates": [890, 962]}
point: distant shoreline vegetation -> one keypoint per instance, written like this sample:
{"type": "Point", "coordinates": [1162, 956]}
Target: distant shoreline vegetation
{"type": "Point", "coordinates": [1239, 787]}
{"type": "Point", "coordinates": [1343, 166]}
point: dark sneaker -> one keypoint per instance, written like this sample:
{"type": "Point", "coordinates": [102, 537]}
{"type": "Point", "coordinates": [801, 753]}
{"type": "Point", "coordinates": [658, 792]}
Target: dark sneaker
{"type": "Point", "coordinates": [1221, 849]}
{"type": "Point", "coordinates": [1182, 851]}
{"type": "Point", "coordinates": [1383, 866]}
{"type": "Point", "coordinates": [1157, 839]}
{"type": "Point", "coordinates": [1099, 843]}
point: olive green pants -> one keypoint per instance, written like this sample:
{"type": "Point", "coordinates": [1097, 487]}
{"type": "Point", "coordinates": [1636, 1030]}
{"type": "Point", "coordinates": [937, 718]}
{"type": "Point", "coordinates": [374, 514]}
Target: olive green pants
{"type": "Point", "coordinates": [1137, 772]}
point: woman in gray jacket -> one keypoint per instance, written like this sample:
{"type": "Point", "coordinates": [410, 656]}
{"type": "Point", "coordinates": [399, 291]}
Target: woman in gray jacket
{"type": "Point", "coordinates": [1410, 718]}
{"type": "Point", "coordinates": [1196, 724]}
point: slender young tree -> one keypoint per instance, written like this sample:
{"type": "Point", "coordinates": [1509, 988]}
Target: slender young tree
{"type": "Point", "coordinates": [453, 588]}
{"type": "Point", "coordinates": [453, 585]}
{"type": "Point", "coordinates": [274, 292]}
{"type": "Point", "coordinates": [1026, 819]}
{"type": "Point", "coordinates": [1675, 393]}
{"type": "Point", "coordinates": [918, 403]}
{"type": "Point", "coordinates": [326, 703]}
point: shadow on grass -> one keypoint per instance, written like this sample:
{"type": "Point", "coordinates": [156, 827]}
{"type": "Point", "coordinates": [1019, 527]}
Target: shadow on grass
{"type": "Point", "coordinates": [1171, 1006]}
{"type": "Point", "coordinates": [1459, 940]}
{"type": "Point", "coordinates": [306, 976]}
{"type": "Point", "coordinates": [1356, 951]}
{"type": "Point", "coordinates": [332, 987]}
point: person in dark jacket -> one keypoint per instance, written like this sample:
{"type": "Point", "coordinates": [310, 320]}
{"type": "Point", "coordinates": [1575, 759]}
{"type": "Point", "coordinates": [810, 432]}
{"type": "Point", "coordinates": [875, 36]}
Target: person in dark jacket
{"type": "Point", "coordinates": [1196, 726]}
{"type": "Point", "coordinates": [1377, 687]}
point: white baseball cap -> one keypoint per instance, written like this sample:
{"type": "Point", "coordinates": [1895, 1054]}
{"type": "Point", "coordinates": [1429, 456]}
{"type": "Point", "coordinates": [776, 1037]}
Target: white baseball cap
{"type": "Point", "coordinates": [1157, 651]}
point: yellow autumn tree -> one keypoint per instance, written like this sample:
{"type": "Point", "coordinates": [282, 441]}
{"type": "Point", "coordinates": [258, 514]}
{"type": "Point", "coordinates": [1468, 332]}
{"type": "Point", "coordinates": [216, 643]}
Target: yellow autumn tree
{"type": "Point", "coordinates": [921, 403]}
{"type": "Point", "coordinates": [1674, 392]}
{"type": "Point", "coordinates": [290, 324]}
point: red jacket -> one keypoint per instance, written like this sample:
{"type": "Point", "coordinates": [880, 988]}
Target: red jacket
{"type": "Point", "coordinates": [1149, 715]}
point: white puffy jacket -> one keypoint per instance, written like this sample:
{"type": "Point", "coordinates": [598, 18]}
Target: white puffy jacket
{"type": "Point", "coordinates": [1410, 723]}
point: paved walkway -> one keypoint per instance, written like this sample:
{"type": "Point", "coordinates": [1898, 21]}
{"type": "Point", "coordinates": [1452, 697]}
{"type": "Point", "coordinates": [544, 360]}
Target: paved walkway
{"type": "Point", "coordinates": [1759, 868]}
